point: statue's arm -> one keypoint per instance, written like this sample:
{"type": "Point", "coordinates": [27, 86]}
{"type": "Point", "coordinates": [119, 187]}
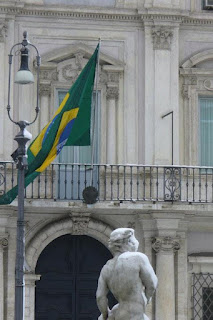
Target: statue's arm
{"type": "Point", "coordinates": [148, 277]}
{"type": "Point", "coordinates": [101, 295]}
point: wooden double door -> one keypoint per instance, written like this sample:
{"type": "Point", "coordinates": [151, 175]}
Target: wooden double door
{"type": "Point", "coordinates": [69, 268]}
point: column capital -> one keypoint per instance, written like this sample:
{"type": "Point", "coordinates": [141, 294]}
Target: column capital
{"type": "Point", "coordinates": [162, 37]}
{"type": "Point", "coordinates": [112, 92]}
{"type": "Point", "coordinates": [44, 89]}
{"type": "Point", "coordinates": [165, 244]}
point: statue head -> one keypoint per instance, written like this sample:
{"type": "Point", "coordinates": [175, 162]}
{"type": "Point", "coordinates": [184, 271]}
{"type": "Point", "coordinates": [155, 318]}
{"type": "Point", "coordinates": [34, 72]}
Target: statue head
{"type": "Point", "coordinates": [123, 240]}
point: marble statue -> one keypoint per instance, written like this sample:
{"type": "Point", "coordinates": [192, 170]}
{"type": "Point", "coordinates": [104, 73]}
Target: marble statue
{"type": "Point", "coordinates": [129, 276]}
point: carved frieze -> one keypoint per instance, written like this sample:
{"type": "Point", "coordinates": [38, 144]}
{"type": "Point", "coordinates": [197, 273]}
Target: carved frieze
{"type": "Point", "coordinates": [188, 82]}
{"type": "Point", "coordinates": [80, 224]}
{"type": "Point", "coordinates": [113, 77]}
{"type": "Point", "coordinates": [71, 71]}
{"type": "Point", "coordinates": [3, 31]}
{"type": "Point", "coordinates": [191, 80]}
{"type": "Point", "coordinates": [162, 37]}
{"type": "Point", "coordinates": [49, 75]}
{"type": "Point", "coordinates": [165, 244]}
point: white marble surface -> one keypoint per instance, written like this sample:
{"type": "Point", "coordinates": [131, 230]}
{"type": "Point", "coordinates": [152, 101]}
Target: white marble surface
{"type": "Point", "coordinates": [129, 276]}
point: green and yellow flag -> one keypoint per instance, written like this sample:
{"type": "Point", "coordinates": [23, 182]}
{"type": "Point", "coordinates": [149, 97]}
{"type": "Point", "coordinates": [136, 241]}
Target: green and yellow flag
{"type": "Point", "coordinates": [70, 126]}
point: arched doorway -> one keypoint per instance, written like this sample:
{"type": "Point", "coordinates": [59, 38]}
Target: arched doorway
{"type": "Point", "coordinates": [69, 267]}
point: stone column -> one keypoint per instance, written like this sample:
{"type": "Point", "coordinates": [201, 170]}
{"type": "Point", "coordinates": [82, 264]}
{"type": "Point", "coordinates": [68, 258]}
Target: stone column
{"type": "Point", "coordinates": [30, 285]}
{"type": "Point", "coordinates": [44, 92]}
{"type": "Point", "coordinates": [3, 245]}
{"type": "Point", "coordinates": [165, 247]}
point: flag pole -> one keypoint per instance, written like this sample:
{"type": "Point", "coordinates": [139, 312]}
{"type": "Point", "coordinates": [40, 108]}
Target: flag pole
{"type": "Point", "coordinates": [94, 114]}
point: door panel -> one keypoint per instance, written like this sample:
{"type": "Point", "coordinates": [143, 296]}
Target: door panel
{"type": "Point", "coordinates": [69, 268]}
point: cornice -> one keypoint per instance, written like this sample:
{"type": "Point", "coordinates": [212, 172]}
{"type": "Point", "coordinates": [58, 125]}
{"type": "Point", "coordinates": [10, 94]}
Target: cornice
{"type": "Point", "coordinates": [71, 12]}
{"type": "Point", "coordinates": [99, 13]}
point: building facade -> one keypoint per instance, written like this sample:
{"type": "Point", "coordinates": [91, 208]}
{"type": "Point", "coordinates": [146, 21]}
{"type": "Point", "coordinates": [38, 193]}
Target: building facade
{"type": "Point", "coordinates": [153, 153]}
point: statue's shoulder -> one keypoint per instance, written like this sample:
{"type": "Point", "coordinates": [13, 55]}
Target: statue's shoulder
{"type": "Point", "coordinates": [105, 271]}
{"type": "Point", "coordinates": [135, 255]}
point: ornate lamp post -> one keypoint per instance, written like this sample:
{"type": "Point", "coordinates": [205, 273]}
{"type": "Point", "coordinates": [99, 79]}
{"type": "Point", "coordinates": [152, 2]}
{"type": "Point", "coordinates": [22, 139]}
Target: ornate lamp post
{"type": "Point", "coordinates": [22, 77]}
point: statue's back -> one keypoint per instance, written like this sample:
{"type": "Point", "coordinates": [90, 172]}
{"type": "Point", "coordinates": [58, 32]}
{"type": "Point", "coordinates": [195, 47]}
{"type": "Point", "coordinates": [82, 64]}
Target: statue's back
{"type": "Point", "coordinates": [123, 279]}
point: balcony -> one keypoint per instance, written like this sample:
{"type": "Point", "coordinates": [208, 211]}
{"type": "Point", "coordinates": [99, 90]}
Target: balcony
{"type": "Point", "coordinates": [136, 183]}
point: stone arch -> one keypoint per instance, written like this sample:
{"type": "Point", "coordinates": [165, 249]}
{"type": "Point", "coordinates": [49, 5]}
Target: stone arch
{"type": "Point", "coordinates": [75, 225]}
{"type": "Point", "coordinates": [198, 58]}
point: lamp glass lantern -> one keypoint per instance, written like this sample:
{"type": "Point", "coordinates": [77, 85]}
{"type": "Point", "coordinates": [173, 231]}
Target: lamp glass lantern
{"type": "Point", "coordinates": [24, 75]}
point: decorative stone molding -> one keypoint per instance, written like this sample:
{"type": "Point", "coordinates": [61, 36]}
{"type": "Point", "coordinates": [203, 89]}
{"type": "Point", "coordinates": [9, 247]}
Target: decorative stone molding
{"type": "Point", "coordinates": [44, 89]}
{"type": "Point", "coordinates": [103, 77]}
{"type": "Point", "coordinates": [166, 244]}
{"type": "Point", "coordinates": [3, 31]}
{"type": "Point", "coordinates": [106, 14]}
{"type": "Point", "coordinates": [113, 77]}
{"type": "Point", "coordinates": [71, 71]}
{"type": "Point", "coordinates": [70, 74]}
{"type": "Point", "coordinates": [48, 75]}
{"type": "Point", "coordinates": [185, 91]}
{"type": "Point", "coordinates": [78, 223]}
{"type": "Point", "coordinates": [112, 92]}
{"type": "Point", "coordinates": [30, 279]}
{"type": "Point", "coordinates": [162, 37]}
{"type": "Point", "coordinates": [4, 242]}
{"type": "Point", "coordinates": [189, 82]}
{"type": "Point", "coordinates": [208, 84]}
{"type": "Point", "coordinates": [131, 224]}
{"type": "Point", "coordinates": [70, 13]}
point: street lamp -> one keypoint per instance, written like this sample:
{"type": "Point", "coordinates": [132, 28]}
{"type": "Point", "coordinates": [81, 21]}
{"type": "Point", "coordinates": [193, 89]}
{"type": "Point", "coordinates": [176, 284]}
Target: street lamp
{"type": "Point", "coordinates": [22, 77]}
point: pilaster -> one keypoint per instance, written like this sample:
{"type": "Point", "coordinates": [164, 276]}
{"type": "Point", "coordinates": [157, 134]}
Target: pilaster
{"type": "Point", "coordinates": [161, 91]}
{"type": "Point", "coordinates": [44, 93]}
{"type": "Point", "coordinates": [30, 284]}
{"type": "Point", "coordinates": [112, 96]}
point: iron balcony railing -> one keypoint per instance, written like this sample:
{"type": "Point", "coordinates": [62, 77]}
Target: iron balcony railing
{"type": "Point", "coordinates": [116, 182]}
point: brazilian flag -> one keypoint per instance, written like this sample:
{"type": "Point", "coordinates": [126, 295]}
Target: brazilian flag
{"type": "Point", "coordinates": [70, 126]}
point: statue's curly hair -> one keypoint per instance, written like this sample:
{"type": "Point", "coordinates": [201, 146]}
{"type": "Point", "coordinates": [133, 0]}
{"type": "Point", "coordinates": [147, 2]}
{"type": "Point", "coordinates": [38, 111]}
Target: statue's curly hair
{"type": "Point", "coordinates": [122, 240]}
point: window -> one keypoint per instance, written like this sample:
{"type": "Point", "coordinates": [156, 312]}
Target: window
{"type": "Point", "coordinates": [207, 303]}
{"type": "Point", "coordinates": [78, 175]}
{"type": "Point", "coordinates": [202, 296]}
{"type": "Point", "coordinates": [207, 4]}
{"type": "Point", "coordinates": [206, 131]}
{"type": "Point", "coordinates": [82, 154]}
